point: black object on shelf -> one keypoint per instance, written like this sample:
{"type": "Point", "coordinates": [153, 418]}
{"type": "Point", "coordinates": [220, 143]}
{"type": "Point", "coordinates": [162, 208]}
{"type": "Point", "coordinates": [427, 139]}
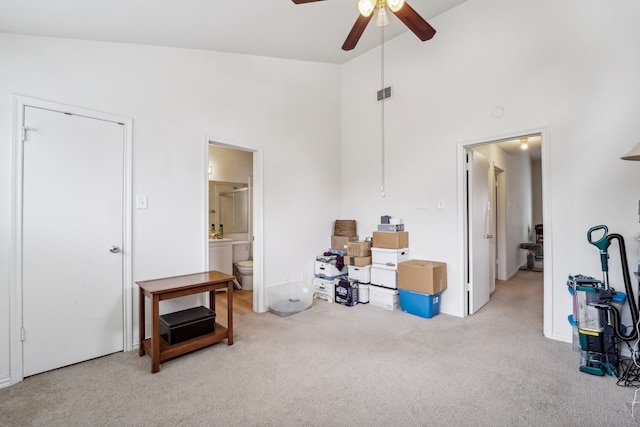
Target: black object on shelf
{"type": "Point", "coordinates": [183, 325]}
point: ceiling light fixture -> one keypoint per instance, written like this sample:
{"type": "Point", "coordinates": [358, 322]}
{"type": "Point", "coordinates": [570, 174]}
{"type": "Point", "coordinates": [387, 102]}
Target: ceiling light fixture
{"type": "Point", "coordinates": [524, 143]}
{"type": "Point", "coordinates": [382, 19]}
{"type": "Point", "coordinates": [395, 5]}
{"type": "Point", "coordinates": [367, 7]}
{"type": "Point", "coordinates": [382, 147]}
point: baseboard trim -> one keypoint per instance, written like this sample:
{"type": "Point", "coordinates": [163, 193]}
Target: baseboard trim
{"type": "Point", "coordinates": [5, 382]}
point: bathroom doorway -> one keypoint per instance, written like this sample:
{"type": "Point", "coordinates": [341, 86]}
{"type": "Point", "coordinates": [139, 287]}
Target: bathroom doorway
{"type": "Point", "coordinates": [233, 199]}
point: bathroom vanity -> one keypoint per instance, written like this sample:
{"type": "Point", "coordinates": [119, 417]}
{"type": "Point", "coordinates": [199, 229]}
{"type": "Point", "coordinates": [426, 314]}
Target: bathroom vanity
{"type": "Point", "coordinates": [221, 255]}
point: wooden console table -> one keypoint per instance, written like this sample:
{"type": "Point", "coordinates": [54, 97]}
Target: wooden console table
{"type": "Point", "coordinates": [174, 287]}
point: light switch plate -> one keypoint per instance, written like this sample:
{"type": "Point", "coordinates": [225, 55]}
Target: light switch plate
{"type": "Point", "coordinates": [141, 202]}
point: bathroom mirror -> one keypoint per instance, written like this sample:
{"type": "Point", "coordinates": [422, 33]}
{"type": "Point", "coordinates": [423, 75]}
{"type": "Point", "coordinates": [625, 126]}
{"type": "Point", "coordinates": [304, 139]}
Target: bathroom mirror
{"type": "Point", "coordinates": [233, 210]}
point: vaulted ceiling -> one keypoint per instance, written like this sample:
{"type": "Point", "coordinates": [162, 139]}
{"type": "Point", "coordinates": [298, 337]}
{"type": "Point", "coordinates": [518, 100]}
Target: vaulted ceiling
{"type": "Point", "coordinates": [274, 28]}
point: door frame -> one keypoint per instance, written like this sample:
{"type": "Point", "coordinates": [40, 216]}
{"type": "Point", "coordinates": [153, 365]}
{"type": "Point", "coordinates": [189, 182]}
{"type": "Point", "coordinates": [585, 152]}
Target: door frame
{"type": "Point", "coordinates": [15, 271]}
{"type": "Point", "coordinates": [548, 314]}
{"type": "Point", "coordinates": [257, 237]}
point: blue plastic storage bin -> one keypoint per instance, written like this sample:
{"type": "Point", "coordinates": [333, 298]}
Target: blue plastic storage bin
{"type": "Point", "coordinates": [423, 305]}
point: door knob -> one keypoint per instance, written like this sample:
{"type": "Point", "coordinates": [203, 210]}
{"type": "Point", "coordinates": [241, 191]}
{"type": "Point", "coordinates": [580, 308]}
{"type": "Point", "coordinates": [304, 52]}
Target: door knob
{"type": "Point", "coordinates": [489, 236]}
{"type": "Point", "coordinates": [114, 249]}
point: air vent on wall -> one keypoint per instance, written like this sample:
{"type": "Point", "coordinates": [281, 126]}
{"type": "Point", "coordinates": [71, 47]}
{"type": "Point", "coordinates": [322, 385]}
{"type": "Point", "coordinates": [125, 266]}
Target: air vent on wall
{"type": "Point", "coordinates": [383, 94]}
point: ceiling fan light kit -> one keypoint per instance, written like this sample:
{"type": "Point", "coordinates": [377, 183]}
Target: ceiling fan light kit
{"type": "Point", "coordinates": [382, 19]}
{"type": "Point", "coordinates": [400, 8]}
{"type": "Point", "coordinates": [409, 17]}
{"type": "Point", "coordinates": [395, 5]}
{"type": "Point", "coordinates": [366, 7]}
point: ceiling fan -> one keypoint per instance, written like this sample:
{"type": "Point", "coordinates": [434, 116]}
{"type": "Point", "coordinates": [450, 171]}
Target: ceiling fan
{"type": "Point", "coordinates": [368, 8]}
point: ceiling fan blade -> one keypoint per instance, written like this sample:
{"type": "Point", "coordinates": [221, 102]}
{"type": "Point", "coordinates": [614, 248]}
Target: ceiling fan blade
{"type": "Point", "coordinates": [356, 32]}
{"type": "Point", "coordinates": [415, 22]}
{"type": "Point", "coordinates": [304, 1]}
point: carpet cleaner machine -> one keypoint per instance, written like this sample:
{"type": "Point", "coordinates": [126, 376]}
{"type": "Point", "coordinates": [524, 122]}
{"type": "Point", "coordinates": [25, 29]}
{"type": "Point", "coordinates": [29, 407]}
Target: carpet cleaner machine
{"type": "Point", "coordinates": [597, 313]}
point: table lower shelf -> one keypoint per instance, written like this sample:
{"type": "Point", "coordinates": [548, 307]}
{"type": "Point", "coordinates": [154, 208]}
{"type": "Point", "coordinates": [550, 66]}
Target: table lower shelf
{"type": "Point", "coordinates": [169, 351]}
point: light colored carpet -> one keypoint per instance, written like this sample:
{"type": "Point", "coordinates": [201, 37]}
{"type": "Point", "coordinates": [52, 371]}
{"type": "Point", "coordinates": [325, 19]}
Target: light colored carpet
{"type": "Point", "coordinates": [338, 366]}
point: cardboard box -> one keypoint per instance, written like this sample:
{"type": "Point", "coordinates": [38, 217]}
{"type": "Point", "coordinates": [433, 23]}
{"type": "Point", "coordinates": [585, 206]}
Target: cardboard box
{"type": "Point", "coordinates": [358, 261]}
{"type": "Point", "coordinates": [389, 257]}
{"type": "Point", "coordinates": [340, 243]}
{"type": "Point", "coordinates": [361, 274]}
{"type": "Point", "coordinates": [328, 270]}
{"type": "Point", "coordinates": [390, 239]}
{"type": "Point", "coordinates": [427, 277]}
{"type": "Point", "coordinates": [390, 227]}
{"type": "Point", "coordinates": [324, 289]}
{"type": "Point", "coordinates": [347, 293]}
{"type": "Point", "coordinates": [359, 248]}
{"type": "Point", "coordinates": [386, 298]}
{"type": "Point", "coordinates": [384, 276]}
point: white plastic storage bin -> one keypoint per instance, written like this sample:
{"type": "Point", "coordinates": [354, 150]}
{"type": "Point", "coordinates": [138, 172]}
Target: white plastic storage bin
{"type": "Point", "coordinates": [324, 289]}
{"type": "Point", "coordinates": [361, 274]}
{"type": "Point", "coordinates": [385, 298]}
{"type": "Point", "coordinates": [382, 275]}
{"type": "Point", "coordinates": [389, 257]}
{"type": "Point", "coordinates": [328, 270]}
{"type": "Point", "coordinates": [289, 298]}
{"type": "Point", "coordinates": [363, 293]}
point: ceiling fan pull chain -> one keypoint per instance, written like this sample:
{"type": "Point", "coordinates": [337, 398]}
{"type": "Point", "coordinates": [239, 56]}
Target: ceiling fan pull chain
{"type": "Point", "coordinates": [382, 166]}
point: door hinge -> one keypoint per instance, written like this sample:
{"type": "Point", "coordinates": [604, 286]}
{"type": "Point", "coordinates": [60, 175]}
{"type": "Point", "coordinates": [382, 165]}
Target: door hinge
{"type": "Point", "coordinates": [22, 334]}
{"type": "Point", "coordinates": [24, 134]}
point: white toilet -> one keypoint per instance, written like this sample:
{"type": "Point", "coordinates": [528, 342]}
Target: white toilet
{"type": "Point", "coordinates": [243, 266]}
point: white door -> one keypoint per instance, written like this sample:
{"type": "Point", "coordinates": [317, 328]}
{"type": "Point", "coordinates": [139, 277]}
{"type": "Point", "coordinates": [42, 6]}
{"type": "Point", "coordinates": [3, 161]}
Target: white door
{"type": "Point", "coordinates": [72, 280]}
{"type": "Point", "coordinates": [479, 219]}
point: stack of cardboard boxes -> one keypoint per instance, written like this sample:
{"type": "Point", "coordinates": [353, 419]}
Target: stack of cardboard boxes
{"type": "Point", "coordinates": [344, 231]}
{"type": "Point", "coordinates": [358, 261]}
{"type": "Point", "coordinates": [326, 271]}
{"type": "Point", "coordinates": [379, 271]}
{"type": "Point", "coordinates": [389, 249]}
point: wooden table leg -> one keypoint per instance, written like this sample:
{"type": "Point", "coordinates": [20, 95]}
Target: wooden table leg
{"type": "Point", "coordinates": [141, 320]}
{"type": "Point", "coordinates": [155, 334]}
{"type": "Point", "coordinates": [230, 312]}
{"type": "Point", "coordinates": [212, 300]}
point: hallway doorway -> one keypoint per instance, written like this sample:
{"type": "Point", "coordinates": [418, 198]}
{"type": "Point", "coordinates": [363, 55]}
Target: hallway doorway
{"type": "Point", "coordinates": [514, 209]}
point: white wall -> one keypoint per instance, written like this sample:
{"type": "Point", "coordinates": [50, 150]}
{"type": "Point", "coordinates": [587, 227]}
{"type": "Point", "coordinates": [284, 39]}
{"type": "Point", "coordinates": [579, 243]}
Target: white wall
{"type": "Point", "coordinates": [569, 68]}
{"type": "Point", "coordinates": [518, 201]}
{"type": "Point", "coordinates": [178, 98]}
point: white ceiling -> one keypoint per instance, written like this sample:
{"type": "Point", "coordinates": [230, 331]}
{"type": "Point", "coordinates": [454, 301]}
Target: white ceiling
{"type": "Point", "coordinates": [274, 28]}
{"type": "Point", "coordinates": [512, 146]}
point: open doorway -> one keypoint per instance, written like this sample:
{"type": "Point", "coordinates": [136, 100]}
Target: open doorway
{"type": "Point", "coordinates": [233, 202]}
{"type": "Point", "coordinates": [503, 217]}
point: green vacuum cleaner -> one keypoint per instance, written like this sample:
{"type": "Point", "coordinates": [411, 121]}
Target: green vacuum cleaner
{"type": "Point", "coordinates": [597, 307]}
